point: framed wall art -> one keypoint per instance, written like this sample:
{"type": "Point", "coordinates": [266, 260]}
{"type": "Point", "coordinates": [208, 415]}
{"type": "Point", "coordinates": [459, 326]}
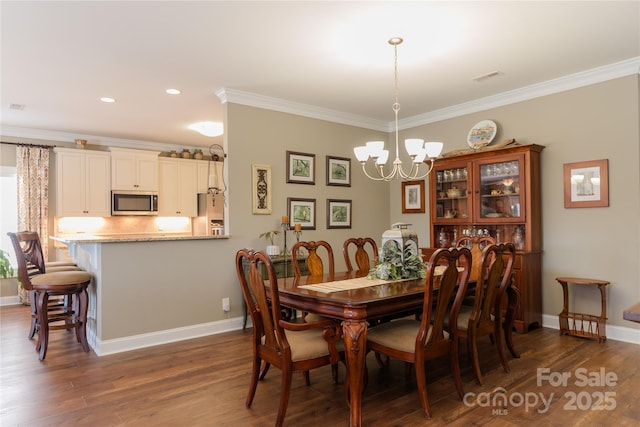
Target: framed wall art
{"type": "Point", "coordinates": [339, 171]}
{"type": "Point", "coordinates": [586, 184]}
{"type": "Point", "coordinates": [301, 168]}
{"type": "Point", "coordinates": [338, 213]}
{"type": "Point", "coordinates": [413, 197]}
{"type": "Point", "coordinates": [303, 212]}
{"type": "Point", "coordinates": [261, 189]}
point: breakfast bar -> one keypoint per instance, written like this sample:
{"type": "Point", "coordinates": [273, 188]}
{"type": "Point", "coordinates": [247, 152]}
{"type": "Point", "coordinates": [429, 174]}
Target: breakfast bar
{"type": "Point", "coordinates": [151, 289]}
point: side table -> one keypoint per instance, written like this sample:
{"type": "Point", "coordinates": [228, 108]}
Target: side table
{"type": "Point", "coordinates": [583, 324]}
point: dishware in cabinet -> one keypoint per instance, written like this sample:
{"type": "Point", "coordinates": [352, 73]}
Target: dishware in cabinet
{"type": "Point", "coordinates": [499, 190]}
{"type": "Point", "coordinates": [451, 192]}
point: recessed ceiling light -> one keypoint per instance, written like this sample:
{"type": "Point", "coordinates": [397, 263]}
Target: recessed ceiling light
{"type": "Point", "coordinates": [208, 128]}
{"type": "Point", "coordinates": [173, 91]}
{"type": "Point", "coordinates": [107, 99]}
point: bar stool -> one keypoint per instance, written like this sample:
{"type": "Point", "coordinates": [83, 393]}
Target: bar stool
{"type": "Point", "coordinates": [71, 285]}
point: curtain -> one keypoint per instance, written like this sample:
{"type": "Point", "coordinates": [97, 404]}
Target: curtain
{"type": "Point", "coordinates": [32, 168]}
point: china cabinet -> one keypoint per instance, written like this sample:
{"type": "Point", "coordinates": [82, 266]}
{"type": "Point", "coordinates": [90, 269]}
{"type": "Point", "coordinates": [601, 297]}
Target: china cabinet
{"type": "Point", "coordinates": [82, 183]}
{"type": "Point", "coordinates": [134, 170]}
{"type": "Point", "coordinates": [178, 194]}
{"type": "Point", "coordinates": [494, 192]}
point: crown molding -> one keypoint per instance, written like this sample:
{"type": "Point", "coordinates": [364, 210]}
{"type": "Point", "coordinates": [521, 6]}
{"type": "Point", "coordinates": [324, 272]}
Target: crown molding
{"type": "Point", "coordinates": [585, 78]}
{"type": "Point", "coordinates": [561, 84]}
{"type": "Point", "coordinates": [276, 104]}
{"type": "Point", "coordinates": [103, 141]}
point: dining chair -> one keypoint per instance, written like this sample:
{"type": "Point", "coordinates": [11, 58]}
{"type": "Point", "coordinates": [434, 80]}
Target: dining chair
{"type": "Point", "coordinates": [420, 340]}
{"type": "Point", "coordinates": [44, 284]}
{"type": "Point", "coordinates": [291, 347]}
{"type": "Point", "coordinates": [314, 261]}
{"type": "Point", "coordinates": [475, 245]}
{"type": "Point", "coordinates": [362, 255]}
{"type": "Point", "coordinates": [483, 318]}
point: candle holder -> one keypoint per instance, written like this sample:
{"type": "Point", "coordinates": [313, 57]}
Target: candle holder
{"type": "Point", "coordinates": [285, 227]}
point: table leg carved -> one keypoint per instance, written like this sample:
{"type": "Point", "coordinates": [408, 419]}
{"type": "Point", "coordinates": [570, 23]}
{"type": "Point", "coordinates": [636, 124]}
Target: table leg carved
{"type": "Point", "coordinates": [355, 343]}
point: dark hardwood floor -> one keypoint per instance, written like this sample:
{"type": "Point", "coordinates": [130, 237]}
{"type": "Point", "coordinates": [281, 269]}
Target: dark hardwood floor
{"type": "Point", "coordinates": [203, 382]}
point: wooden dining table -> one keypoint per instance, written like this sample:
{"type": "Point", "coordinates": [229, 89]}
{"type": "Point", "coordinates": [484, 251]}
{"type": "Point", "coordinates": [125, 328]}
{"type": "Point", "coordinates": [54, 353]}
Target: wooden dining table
{"type": "Point", "coordinates": [355, 300]}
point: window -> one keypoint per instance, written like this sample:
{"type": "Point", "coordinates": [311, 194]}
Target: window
{"type": "Point", "coordinates": [8, 208]}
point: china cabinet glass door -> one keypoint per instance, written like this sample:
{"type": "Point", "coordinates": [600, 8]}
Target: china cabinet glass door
{"type": "Point", "coordinates": [452, 193]}
{"type": "Point", "coordinates": [500, 193]}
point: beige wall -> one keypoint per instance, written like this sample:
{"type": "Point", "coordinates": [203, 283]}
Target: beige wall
{"type": "Point", "coordinates": [261, 136]}
{"type": "Point", "coordinates": [600, 121]}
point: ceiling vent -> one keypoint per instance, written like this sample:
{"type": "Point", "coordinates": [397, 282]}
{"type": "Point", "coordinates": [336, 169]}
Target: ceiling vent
{"type": "Point", "coordinates": [19, 107]}
{"type": "Point", "coordinates": [487, 76]}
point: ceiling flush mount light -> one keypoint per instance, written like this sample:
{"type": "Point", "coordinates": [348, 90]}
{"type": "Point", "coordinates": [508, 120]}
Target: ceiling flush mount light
{"type": "Point", "coordinates": [107, 99]}
{"type": "Point", "coordinates": [208, 128]}
{"type": "Point", "coordinates": [418, 150]}
{"type": "Point", "coordinates": [173, 91]}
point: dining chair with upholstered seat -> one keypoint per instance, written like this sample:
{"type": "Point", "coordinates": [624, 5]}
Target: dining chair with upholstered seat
{"type": "Point", "coordinates": [42, 284]}
{"type": "Point", "coordinates": [420, 340]}
{"type": "Point", "coordinates": [366, 251]}
{"type": "Point", "coordinates": [483, 318]}
{"type": "Point", "coordinates": [291, 347]}
{"type": "Point", "coordinates": [314, 262]}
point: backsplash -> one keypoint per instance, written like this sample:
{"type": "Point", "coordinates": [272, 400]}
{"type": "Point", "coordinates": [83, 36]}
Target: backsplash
{"type": "Point", "coordinates": [122, 225]}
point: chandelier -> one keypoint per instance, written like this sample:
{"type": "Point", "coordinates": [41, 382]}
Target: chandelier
{"type": "Point", "coordinates": [418, 150]}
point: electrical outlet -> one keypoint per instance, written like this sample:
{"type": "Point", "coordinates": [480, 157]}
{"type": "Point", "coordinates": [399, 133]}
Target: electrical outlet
{"type": "Point", "coordinates": [226, 305]}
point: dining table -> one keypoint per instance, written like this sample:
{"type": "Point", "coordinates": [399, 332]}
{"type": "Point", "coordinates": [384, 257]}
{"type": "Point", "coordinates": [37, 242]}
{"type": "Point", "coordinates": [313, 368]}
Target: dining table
{"type": "Point", "coordinates": [356, 300]}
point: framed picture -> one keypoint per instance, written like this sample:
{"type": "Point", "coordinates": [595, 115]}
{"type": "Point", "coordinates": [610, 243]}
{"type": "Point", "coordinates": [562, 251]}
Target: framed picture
{"type": "Point", "coordinates": [413, 197]}
{"type": "Point", "coordinates": [261, 189]}
{"type": "Point", "coordinates": [586, 184]}
{"type": "Point", "coordinates": [338, 213]}
{"type": "Point", "coordinates": [301, 168]}
{"type": "Point", "coordinates": [339, 171]}
{"type": "Point", "coordinates": [303, 212]}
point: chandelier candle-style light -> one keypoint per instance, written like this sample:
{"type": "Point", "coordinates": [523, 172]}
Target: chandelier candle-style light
{"type": "Point", "coordinates": [418, 150]}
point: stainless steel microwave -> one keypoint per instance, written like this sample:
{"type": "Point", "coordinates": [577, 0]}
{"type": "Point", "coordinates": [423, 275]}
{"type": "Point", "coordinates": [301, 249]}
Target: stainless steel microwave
{"type": "Point", "coordinates": [134, 203]}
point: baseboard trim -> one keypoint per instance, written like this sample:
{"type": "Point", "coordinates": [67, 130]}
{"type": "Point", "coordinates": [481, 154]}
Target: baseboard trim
{"type": "Point", "coordinates": [618, 333]}
{"type": "Point", "coordinates": [134, 342]}
{"type": "Point", "coordinates": [12, 300]}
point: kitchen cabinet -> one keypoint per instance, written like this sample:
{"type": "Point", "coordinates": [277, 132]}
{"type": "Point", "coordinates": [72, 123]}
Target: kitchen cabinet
{"type": "Point", "coordinates": [204, 170]}
{"type": "Point", "coordinates": [178, 194]}
{"type": "Point", "coordinates": [82, 182]}
{"type": "Point", "coordinates": [134, 170]}
{"type": "Point", "coordinates": [494, 193]}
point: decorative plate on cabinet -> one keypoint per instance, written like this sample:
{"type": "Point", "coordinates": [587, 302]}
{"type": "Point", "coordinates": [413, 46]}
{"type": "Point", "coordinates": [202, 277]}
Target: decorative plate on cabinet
{"type": "Point", "coordinates": [482, 134]}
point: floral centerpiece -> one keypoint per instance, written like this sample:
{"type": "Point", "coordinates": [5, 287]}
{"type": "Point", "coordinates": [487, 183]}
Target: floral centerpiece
{"type": "Point", "coordinates": [393, 264]}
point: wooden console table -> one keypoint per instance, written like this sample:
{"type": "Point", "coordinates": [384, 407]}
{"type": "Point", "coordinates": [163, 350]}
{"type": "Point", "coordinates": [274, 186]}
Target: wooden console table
{"type": "Point", "coordinates": [583, 324]}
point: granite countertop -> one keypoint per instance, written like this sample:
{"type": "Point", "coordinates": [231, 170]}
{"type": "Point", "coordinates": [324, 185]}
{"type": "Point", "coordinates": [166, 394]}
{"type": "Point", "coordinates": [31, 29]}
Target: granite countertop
{"type": "Point", "coordinates": [120, 238]}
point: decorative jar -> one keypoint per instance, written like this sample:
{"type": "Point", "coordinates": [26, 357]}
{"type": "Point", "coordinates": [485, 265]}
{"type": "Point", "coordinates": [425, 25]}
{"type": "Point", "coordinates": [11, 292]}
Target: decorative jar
{"type": "Point", "coordinates": [186, 154]}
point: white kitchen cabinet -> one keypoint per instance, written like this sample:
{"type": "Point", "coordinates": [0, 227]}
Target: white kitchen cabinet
{"type": "Point", "coordinates": [82, 182]}
{"type": "Point", "coordinates": [203, 174]}
{"type": "Point", "coordinates": [134, 170]}
{"type": "Point", "coordinates": [178, 195]}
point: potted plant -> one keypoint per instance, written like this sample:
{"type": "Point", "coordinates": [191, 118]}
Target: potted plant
{"type": "Point", "coordinates": [272, 249]}
{"type": "Point", "coordinates": [5, 266]}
